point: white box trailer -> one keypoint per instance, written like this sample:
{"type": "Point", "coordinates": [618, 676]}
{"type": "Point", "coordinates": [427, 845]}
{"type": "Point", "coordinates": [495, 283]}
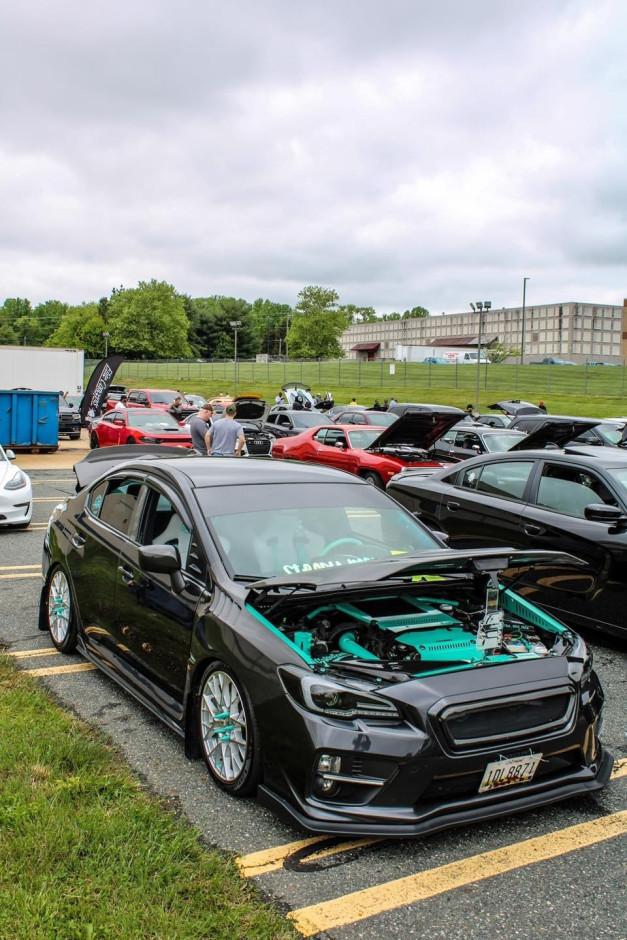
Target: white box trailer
{"type": "Point", "coordinates": [451, 354]}
{"type": "Point", "coordinates": [42, 369]}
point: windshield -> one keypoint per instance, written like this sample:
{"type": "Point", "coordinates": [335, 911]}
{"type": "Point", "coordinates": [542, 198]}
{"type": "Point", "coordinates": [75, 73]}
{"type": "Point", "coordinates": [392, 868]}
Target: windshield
{"type": "Point", "coordinates": [363, 437]}
{"type": "Point", "coordinates": [163, 397]}
{"type": "Point", "coordinates": [384, 420]}
{"type": "Point", "coordinates": [501, 442]}
{"type": "Point", "coordinates": [620, 476]}
{"type": "Point", "coordinates": [305, 419]}
{"type": "Point", "coordinates": [610, 433]}
{"type": "Point", "coordinates": [307, 527]}
{"type": "Point", "coordinates": [153, 422]}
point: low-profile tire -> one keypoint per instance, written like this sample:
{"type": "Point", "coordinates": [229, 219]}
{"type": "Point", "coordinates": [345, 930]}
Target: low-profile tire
{"type": "Point", "coordinates": [74, 437]}
{"type": "Point", "coordinates": [228, 732]}
{"type": "Point", "coordinates": [371, 476]}
{"type": "Point", "coordinates": [60, 615]}
{"type": "Point", "coordinates": [131, 440]}
{"type": "Point", "coordinates": [93, 440]}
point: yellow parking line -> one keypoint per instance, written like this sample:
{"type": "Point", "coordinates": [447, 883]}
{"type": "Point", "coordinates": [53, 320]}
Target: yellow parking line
{"type": "Point", "coordinates": [360, 905]}
{"type": "Point", "coordinates": [48, 499]}
{"type": "Point", "coordinates": [29, 654]}
{"type": "Point", "coordinates": [61, 670]}
{"type": "Point", "coordinates": [46, 482]}
{"type": "Point", "coordinates": [11, 577]}
{"type": "Point", "coordinates": [619, 769]}
{"type": "Point", "coordinates": [18, 567]}
{"type": "Point", "coordinates": [259, 863]}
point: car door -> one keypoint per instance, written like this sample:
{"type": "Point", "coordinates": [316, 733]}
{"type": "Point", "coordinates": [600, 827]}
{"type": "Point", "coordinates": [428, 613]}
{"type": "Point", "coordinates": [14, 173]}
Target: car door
{"type": "Point", "coordinates": [486, 505]}
{"type": "Point", "coordinates": [555, 519]}
{"type": "Point", "coordinates": [153, 620]}
{"type": "Point", "coordinates": [110, 515]}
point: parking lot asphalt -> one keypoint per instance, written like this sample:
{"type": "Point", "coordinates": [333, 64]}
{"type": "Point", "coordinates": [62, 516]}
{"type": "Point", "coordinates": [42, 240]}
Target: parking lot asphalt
{"type": "Point", "coordinates": [558, 872]}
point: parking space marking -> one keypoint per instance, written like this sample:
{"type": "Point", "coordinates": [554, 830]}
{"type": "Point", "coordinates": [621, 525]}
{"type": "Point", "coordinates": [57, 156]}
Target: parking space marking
{"type": "Point", "coordinates": [20, 574]}
{"type": "Point", "coordinates": [48, 499]}
{"type": "Point", "coordinates": [369, 902]}
{"type": "Point", "coordinates": [61, 670]}
{"type": "Point", "coordinates": [18, 567]}
{"type": "Point", "coordinates": [31, 654]}
{"type": "Point", "coordinates": [259, 863]}
{"type": "Point", "coordinates": [619, 769]}
{"type": "Point", "coordinates": [46, 482]}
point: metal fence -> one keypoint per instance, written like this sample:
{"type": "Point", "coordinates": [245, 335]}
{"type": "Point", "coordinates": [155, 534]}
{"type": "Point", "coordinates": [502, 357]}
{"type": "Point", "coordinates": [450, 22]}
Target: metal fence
{"type": "Point", "coordinates": [322, 375]}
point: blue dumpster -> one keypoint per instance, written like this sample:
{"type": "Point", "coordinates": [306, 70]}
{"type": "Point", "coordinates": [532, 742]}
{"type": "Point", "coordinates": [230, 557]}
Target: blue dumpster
{"type": "Point", "coordinates": [29, 419]}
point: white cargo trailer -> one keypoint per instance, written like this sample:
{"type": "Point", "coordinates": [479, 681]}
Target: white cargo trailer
{"type": "Point", "coordinates": [42, 369]}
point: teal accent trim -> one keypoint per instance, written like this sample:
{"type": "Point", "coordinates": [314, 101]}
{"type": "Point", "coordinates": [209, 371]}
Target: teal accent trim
{"type": "Point", "coordinates": [304, 641]}
{"type": "Point", "coordinates": [273, 629]}
{"type": "Point", "coordinates": [348, 644]}
{"type": "Point", "coordinates": [516, 604]}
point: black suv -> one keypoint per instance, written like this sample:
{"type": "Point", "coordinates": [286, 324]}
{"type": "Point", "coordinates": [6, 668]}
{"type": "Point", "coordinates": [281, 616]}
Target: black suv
{"type": "Point", "coordinates": [69, 420]}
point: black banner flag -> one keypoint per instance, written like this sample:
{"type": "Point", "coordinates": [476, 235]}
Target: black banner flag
{"type": "Point", "coordinates": [98, 386]}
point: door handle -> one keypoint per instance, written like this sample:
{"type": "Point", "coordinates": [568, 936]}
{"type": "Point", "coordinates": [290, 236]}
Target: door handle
{"type": "Point", "coordinates": [127, 574]}
{"type": "Point", "coordinates": [453, 506]}
{"type": "Point", "coordinates": [533, 529]}
{"type": "Point", "coordinates": [78, 540]}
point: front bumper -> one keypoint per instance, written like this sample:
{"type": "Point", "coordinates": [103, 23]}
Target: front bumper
{"type": "Point", "coordinates": [402, 822]}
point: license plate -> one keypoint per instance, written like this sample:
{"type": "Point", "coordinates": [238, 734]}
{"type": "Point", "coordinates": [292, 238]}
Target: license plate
{"type": "Point", "coordinates": [507, 773]}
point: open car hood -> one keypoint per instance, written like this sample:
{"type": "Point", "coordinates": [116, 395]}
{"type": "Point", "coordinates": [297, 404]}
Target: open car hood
{"type": "Point", "coordinates": [249, 407]}
{"type": "Point", "coordinates": [428, 565]}
{"type": "Point", "coordinates": [102, 459]}
{"type": "Point", "coordinates": [420, 427]}
{"type": "Point", "coordinates": [514, 406]}
{"type": "Point", "coordinates": [557, 431]}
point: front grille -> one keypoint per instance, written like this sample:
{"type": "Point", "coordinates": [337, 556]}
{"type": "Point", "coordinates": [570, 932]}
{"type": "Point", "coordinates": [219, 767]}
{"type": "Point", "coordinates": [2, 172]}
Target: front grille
{"type": "Point", "coordinates": [467, 726]}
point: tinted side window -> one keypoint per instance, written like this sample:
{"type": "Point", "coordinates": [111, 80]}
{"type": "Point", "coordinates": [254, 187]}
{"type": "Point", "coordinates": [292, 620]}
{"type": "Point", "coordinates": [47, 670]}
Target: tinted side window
{"type": "Point", "coordinates": [504, 479]}
{"type": "Point", "coordinates": [571, 489]}
{"type": "Point", "coordinates": [117, 503]}
{"type": "Point", "coordinates": [163, 525]}
{"type": "Point", "coordinates": [320, 436]}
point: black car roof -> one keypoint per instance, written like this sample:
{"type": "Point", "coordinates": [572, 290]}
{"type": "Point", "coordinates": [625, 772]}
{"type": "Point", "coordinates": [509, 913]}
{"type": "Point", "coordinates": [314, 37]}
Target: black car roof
{"type": "Point", "coordinates": [606, 457]}
{"type": "Point", "coordinates": [208, 471]}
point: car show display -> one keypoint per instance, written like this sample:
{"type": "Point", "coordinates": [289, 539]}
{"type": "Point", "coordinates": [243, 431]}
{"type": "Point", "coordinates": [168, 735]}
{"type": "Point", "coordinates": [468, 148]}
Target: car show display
{"type": "Point", "coordinates": [16, 493]}
{"type": "Point", "coordinates": [250, 604]}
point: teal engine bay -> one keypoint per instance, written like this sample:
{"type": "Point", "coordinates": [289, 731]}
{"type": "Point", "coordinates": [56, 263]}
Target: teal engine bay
{"type": "Point", "coordinates": [422, 630]}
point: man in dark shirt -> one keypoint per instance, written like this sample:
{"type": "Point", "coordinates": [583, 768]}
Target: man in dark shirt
{"type": "Point", "coordinates": [198, 426]}
{"type": "Point", "coordinates": [176, 409]}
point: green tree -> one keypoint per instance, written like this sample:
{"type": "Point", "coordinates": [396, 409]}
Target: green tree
{"type": "Point", "coordinates": [270, 321]}
{"type": "Point", "coordinates": [48, 316]}
{"type": "Point", "coordinates": [72, 331]}
{"type": "Point", "coordinates": [391, 316]}
{"type": "Point", "coordinates": [497, 352]}
{"type": "Point", "coordinates": [15, 321]}
{"type": "Point", "coordinates": [148, 322]}
{"type": "Point", "coordinates": [355, 314]}
{"type": "Point", "coordinates": [317, 325]}
{"type": "Point", "coordinates": [212, 334]}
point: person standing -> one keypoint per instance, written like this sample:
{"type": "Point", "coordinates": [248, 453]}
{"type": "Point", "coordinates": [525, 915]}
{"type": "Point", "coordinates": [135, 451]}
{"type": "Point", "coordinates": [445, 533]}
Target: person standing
{"type": "Point", "coordinates": [352, 402]}
{"type": "Point", "coordinates": [226, 438]}
{"type": "Point", "coordinates": [199, 427]}
{"type": "Point", "coordinates": [392, 402]}
{"type": "Point", "coordinates": [542, 406]}
{"type": "Point", "coordinates": [279, 399]}
{"type": "Point", "coordinates": [176, 409]}
{"type": "Point", "coordinates": [122, 403]}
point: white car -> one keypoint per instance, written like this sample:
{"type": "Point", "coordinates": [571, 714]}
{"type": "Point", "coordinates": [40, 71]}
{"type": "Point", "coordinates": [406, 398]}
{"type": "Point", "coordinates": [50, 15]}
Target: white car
{"type": "Point", "coordinates": [16, 493]}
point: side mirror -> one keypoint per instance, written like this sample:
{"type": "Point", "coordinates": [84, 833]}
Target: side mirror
{"type": "Point", "coordinates": [341, 444]}
{"type": "Point", "coordinates": [476, 448]}
{"type": "Point", "coordinates": [118, 420]}
{"type": "Point", "coordinates": [163, 559]}
{"type": "Point", "coordinates": [10, 454]}
{"type": "Point", "coordinates": [601, 512]}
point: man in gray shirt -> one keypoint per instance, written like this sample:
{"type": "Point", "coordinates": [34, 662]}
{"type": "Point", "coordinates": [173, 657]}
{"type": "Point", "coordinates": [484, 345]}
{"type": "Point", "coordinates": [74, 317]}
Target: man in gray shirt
{"type": "Point", "coordinates": [226, 438]}
{"type": "Point", "coordinates": [199, 426]}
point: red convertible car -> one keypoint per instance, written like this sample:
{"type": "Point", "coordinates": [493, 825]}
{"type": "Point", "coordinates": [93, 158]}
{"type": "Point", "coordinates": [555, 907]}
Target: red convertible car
{"type": "Point", "coordinates": [138, 426]}
{"type": "Point", "coordinates": [372, 453]}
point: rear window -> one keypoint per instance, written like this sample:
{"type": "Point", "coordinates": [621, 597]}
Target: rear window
{"type": "Point", "coordinates": [504, 479]}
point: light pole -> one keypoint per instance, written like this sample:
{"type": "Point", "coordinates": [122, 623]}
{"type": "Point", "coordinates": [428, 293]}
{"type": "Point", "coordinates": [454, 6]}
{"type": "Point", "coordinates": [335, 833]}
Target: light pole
{"type": "Point", "coordinates": [106, 339]}
{"type": "Point", "coordinates": [480, 305]}
{"type": "Point", "coordinates": [235, 325]}
{"type": "Point", "coordinates": [522, 338]}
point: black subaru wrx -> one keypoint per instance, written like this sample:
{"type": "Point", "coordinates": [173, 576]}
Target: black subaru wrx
{"type": "Point", "coordinates": [315, 643]}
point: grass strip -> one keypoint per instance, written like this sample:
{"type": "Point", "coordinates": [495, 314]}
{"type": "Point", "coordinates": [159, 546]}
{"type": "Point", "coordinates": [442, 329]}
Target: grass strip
{"type": "Point", "coordinates": [87, 854]}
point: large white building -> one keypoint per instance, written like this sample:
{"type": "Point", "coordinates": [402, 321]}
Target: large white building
{"type": "Point", "coordinates": [573, 331]}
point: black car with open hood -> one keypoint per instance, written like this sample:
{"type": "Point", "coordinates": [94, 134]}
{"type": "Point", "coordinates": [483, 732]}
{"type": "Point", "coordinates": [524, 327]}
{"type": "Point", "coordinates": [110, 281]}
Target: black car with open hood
{"type": "Point", "coordinates": [250, 410]}
{"type": "Point", "coordinates": [416, 431]}
{"type": "Point", "coordinates": [515, 406]}
{"type": "Point", "coordinates": [316, 644]}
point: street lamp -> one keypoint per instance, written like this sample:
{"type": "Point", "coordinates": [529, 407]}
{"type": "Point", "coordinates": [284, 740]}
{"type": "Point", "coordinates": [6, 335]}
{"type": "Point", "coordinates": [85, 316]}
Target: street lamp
{"type": "Point", "coordinates": [480, 306]}
{"type": "Point", "coordinates": [235, 325]}
{"type": "Point", "coordinates": [522, 338]}
{"type": "Point", "coordinates": [106, 339]}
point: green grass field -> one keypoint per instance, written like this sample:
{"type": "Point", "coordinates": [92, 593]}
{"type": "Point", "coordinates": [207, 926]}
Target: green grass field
{"type": "Point", "coordinates": [598, 391]}
{"type": "Point", "coordinates": [86, 853]}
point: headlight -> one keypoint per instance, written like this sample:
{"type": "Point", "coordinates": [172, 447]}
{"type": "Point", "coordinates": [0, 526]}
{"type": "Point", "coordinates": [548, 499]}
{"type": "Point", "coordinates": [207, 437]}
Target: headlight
{"type": "Point", "coordinates": [17, 481]}
{"type": "Point", "coordinates": [346, 700]}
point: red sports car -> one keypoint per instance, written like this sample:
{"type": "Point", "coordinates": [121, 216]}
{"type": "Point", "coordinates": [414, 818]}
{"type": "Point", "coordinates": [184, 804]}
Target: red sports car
{"type": "Point", "coordinates": [370, 452]}
{"type": "Point", "coordinates": [138, 426]}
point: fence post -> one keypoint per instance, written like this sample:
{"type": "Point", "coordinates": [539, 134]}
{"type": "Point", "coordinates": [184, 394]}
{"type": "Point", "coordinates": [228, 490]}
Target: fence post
{"type": "Point", "coordinates": [359, 373]}
{"type": "Point", "coordinates": [585, 384]}
{"type": "Point", "coordinates": [405, 374]}
{"type": "Point", "coordinates": [382, 373]}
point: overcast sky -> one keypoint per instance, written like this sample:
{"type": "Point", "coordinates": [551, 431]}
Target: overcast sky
{"type": "Point", "coordinates": [404, 152]}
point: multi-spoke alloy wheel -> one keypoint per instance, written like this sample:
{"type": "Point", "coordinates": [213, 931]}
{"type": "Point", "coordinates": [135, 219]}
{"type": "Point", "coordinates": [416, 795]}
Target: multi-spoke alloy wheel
{"type": "Point", "coordinates": [61, 622]}
{"type": "Point", "coordinates": [228, 731]}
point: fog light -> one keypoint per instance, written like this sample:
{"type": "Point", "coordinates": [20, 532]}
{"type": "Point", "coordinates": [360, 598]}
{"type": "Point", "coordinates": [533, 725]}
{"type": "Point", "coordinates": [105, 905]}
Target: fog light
{"type": "Point", "coordinates": [327, 785]}
{"type": "Point", "coordinates": [327, 764]}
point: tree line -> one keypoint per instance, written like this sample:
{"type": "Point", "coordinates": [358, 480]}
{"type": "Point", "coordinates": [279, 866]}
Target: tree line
{"type": "Point", "coordinates": [155, 321]}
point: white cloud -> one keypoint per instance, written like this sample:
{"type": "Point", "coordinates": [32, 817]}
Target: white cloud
{"type": "Point", "coordinates": [402, 153]}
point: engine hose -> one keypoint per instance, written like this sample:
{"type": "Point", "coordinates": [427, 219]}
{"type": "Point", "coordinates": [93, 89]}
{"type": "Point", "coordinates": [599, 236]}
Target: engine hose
{"type": "Point", "coordinates": [348, 644]}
